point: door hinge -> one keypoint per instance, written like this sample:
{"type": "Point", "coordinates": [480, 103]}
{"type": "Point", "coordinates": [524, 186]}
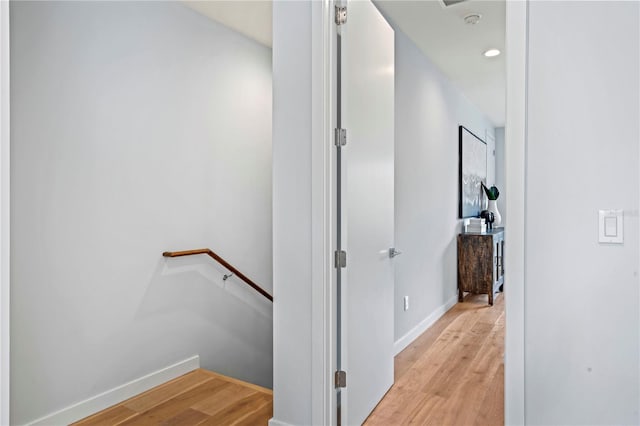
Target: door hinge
{"type": "Point", "coordinates": [341, 15]}
{"type": "Point", "coordinates": [341, 379]}
{"type": "Point", "coordinates": [341, 259]}
{"type": "Point", "coordinates": [340, 137]}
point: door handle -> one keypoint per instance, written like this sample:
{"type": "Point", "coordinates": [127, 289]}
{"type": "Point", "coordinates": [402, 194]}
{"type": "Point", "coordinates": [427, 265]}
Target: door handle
{"type": "Point", "coordinates": [393, 252]}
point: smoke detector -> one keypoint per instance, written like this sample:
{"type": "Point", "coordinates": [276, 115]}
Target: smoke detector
{"type": "Point", "coordinates": [472, 18]}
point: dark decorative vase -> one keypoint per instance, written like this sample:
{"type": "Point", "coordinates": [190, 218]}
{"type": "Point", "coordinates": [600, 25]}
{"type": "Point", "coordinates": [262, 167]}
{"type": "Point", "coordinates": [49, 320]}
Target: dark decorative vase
{"type": "Point", "coordinates": [488, 217]}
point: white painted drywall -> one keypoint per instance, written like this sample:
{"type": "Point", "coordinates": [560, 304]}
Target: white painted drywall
{"type": "Point", "coordinates": [581, 297]}
{"type": "Point", "coordinates": [303, 37]}
{"type": "Point", "coordinates": [4, 215]}
{"type": "Point", "coordinates": [292, 212]}
{"type": "Point", "coordinates": [515, 133]}
{"type": "Point", "coordinates": [429, 110]}
{"type": "Point", "coordinates": [500, 180]}
{"type": "Point", "coordinates": [137, 127]}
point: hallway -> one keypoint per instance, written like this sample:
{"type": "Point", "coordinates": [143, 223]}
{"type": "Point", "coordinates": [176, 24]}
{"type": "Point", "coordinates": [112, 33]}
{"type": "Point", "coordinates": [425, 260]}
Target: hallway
{"type": "Point", "coordinates": [453, 374]}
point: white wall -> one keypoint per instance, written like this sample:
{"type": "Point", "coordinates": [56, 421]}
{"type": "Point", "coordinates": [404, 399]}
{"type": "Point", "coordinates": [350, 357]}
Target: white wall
{"type": "Point", "coordinates": [292, 212]}
{"type": "Point", "coordinates": [429, 110]}
{"type": "Point", "coordinates": [581, 297]}
{"type": "Point", "coordinates": [500, 180]}
{"type": "Point", "coordinates": [136, 128]}
{"type": "Point", "coordinates": [303, 40]}
{"type": "Point", "coordinates": [515, 165]}
{"type": "Point", "coordinates": [4, 214]}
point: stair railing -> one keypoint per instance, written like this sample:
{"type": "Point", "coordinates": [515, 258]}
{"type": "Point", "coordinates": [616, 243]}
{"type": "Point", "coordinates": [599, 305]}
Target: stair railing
{"type": "Point", "coordinates": [224, 263]}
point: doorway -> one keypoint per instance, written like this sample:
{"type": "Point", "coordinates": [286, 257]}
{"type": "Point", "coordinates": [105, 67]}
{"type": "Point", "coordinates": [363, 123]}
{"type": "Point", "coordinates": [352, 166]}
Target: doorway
{"type": "Point", "coordinates": [320, 338]}
{"type": "Point", "coordinates": [431, 155]}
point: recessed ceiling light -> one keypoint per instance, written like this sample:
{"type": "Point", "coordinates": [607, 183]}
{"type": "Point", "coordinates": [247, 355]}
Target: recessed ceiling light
{"type": "Point", "coordinates": [491, 53]}
{"type": "Point", "coordinates": [472, 18]}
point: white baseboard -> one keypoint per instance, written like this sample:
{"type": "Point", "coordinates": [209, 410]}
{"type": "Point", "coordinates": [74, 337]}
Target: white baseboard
{"type": "Point", "coordinates": [118, 394]}
{"type": "Point", "coordinates": [416, 331]}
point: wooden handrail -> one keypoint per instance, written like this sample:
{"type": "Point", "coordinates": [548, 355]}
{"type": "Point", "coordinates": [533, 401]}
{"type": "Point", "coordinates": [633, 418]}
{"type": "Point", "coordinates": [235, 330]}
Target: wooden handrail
{"type": "Point", "coordinates": [224, 263]}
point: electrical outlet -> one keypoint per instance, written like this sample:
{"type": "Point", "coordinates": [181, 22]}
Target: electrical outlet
{"type": "Point", "coordinates": [406, 303]}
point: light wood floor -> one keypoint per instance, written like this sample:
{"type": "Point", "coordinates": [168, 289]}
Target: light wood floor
{"type": "Point", "coordinates": [197, 398]}
{"type": "Point", "coordinates": [453, 374]}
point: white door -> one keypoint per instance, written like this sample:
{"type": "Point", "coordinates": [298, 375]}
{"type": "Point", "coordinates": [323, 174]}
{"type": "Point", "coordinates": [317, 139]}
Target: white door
{"type": "Point", "coordinates": [367, 66]}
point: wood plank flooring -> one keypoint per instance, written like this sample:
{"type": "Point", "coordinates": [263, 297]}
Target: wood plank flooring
{"type": "Point", "coordinates": [453, 374]}
{"type": "Point", "coordinates": [200, 397]}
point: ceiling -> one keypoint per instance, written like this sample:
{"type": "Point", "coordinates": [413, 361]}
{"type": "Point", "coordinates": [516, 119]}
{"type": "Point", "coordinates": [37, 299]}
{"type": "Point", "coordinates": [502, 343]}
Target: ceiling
{"type": "Point", "coordinates": [440, 32]}
{"type": "Point", "coordinates": [457, 48]}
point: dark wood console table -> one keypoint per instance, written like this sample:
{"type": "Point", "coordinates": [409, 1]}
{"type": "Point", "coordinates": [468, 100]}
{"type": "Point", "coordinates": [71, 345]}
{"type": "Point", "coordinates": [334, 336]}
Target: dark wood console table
{"type": "Point", "coordinates": [481, 263]}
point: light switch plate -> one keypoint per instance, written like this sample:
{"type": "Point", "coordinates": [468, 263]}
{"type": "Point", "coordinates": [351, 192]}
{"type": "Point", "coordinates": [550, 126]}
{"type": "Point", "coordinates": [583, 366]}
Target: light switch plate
{"type": "Point", "coordinates": [611, 226]}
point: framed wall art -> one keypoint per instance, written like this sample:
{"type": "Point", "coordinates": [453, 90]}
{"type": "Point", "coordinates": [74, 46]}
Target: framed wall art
{"type": "Point", "coordinates": [472, 173]}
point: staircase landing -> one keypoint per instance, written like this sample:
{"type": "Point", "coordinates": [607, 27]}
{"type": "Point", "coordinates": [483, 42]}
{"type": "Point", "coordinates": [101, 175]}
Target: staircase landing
{"type": "Point", "coordinates": [200, 397]}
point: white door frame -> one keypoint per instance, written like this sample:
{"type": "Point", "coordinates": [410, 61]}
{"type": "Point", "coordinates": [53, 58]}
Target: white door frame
{"type": "Point", "coordinates": [515, 159]}
{"type": "Point", "coordinates": [317, 67]}
{"type": "Point", "coordinates": [323, 330]}
{"type": "Point", "coordinates": [323, 40]}
{"type": "Point", "coordinates": [4, 213]}
{"type": "Point", "coordinates": [515, 182]}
